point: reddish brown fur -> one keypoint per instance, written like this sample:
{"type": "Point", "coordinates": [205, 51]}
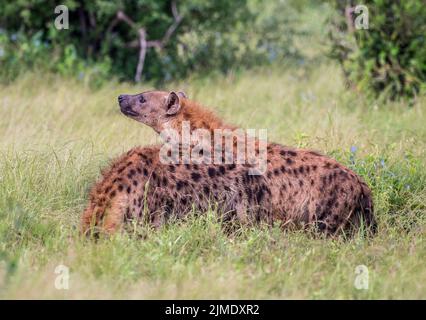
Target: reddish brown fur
{"type": "Point", "coordinates": [300, 188]}
{"type": "Point", "coordinates": [171, 191]}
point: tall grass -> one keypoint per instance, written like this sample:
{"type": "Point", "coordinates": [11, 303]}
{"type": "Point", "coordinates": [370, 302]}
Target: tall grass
{"type": "Point", "coordinates": [57, 134]}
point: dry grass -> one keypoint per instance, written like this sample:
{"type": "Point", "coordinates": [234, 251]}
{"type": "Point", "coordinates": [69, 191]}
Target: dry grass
{"type": "Point", "coordinates": [56, 134]}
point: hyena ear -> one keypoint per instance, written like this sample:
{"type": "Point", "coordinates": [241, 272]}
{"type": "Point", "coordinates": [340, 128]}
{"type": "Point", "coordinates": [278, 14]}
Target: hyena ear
{"type": "Point", "coordinates": [172, 103]}
{"type": "Point", "coordinates": [182, 94]}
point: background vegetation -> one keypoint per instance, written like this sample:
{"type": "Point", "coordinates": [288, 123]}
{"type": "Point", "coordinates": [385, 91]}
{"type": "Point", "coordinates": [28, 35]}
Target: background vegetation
{"type": "Point", "coordinates": [58, 132]}
{"type": "Point", "coordinates": [211, 35]}
{"type": "Point", "coordinates": [389, 60]}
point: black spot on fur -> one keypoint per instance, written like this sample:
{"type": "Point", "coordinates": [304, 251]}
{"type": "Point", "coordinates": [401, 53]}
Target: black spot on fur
{"type": "Point", "coordinates": [259, 195]}
{"type": "Point", "coordinates": [289, 161]}
{"type": "Point", "coordinates": [295, 172]}
{"type": "Point", "coordinates": [222, 170]}
{"type": "Point", "coordinates": [211, 172]}
{"type": "Point", "coordinates": [231, 166]}
{"type": "Point", "coordinates": [195, 176]}
{"type": "Point", "coordinates": [321, 226]}
{"type": "Point", "coordinates": [206, 190]}
{"type": "Point", "coordinates": [249, 194]}
{"type": "Point", "coordinates": [131, 173]}
{"type": "Point", "coordinates": [120, 187]}
{"type": "Point", "coordinates": [179, 185]}
{"type": "Point", "coordinates": [135, 183]}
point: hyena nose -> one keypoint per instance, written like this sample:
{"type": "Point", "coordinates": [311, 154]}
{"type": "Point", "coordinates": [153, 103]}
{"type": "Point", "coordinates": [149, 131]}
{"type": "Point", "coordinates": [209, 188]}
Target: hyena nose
{"type": "Point", "coordinates": [121, 97]}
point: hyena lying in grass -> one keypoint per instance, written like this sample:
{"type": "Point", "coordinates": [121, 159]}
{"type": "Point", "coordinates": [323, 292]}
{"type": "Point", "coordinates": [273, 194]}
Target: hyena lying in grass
{"type": "Point", "coordinates": [299, 188]}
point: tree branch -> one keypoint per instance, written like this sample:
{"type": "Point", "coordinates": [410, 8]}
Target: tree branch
{"type": "Point", "coordinates": [142, 54]}
{"type": "Point", "coordinates": [349, 18]}
{"type": "Point", "coordinates": [142, 43]}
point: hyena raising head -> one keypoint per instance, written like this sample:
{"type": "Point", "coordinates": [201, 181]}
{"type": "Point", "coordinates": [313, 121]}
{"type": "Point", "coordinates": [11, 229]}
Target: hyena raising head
{"type": "Point", "coordinates": [307, 188]}
{"type": "Point", "coordinates": [167, 110]}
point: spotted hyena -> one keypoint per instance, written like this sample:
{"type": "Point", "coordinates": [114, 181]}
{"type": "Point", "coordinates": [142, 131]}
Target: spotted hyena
{"type": "Point", "coordinates": [299, 188]}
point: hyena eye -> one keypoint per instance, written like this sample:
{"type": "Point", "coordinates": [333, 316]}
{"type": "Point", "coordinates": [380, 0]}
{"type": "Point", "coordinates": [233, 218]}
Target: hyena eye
{"type": "Point", "coordinates": [142, 99]}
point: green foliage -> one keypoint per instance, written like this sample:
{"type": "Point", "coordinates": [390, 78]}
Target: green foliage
{"type": "Point", "coordinates": [219, 35]}
{"type": "Point", "coordinates": [389, 58]}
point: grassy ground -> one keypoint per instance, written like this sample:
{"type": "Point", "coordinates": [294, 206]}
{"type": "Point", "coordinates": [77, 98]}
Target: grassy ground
{"type": "Point", "coordinates": [57, 134]}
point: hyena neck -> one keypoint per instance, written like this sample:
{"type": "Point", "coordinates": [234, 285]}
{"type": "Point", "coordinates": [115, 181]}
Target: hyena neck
{"type": "Point", "coordinates": [197, 117]}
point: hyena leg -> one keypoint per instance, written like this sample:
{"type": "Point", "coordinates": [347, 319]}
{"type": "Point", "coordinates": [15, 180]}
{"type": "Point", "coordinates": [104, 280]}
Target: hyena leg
{"type": "Point", "coordinates": [114, 214]}
{"type": "Point", "coordinates": [105, 219]}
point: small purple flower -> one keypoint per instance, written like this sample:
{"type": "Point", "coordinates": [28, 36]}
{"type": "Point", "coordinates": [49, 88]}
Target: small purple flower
{"type": "Point", "coordinates": [353, 149]}
{"type": "Point", "coordinates": [382, 162]}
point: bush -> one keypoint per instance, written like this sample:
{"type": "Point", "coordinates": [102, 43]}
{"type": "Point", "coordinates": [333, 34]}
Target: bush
{"type": "Point", "coordinates": [389, 58]}
{"type": "Point", "coordinates": [216, 34]}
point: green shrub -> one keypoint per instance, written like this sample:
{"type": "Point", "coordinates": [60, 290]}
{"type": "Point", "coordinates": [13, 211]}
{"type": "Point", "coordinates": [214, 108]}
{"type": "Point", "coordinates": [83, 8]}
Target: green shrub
{"type": "Point", "coordinates": [389, 58]}
{"type": "Point", "coordinates": [213, 35]}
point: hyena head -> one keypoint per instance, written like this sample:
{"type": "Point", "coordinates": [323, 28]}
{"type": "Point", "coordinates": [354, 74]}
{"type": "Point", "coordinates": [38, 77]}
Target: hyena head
{"type": "Point", "coordinates": [153, 108]}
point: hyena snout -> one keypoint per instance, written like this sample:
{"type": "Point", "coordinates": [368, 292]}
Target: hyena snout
{"type": "Point", "coordinates": [122, 97]}
{"type": "Point", "coordinates": [125, 105]}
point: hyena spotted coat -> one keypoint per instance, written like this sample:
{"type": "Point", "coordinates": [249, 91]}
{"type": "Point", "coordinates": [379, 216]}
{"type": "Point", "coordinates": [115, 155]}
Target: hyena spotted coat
{"type": "Point", "coordinates": [300, 188]}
